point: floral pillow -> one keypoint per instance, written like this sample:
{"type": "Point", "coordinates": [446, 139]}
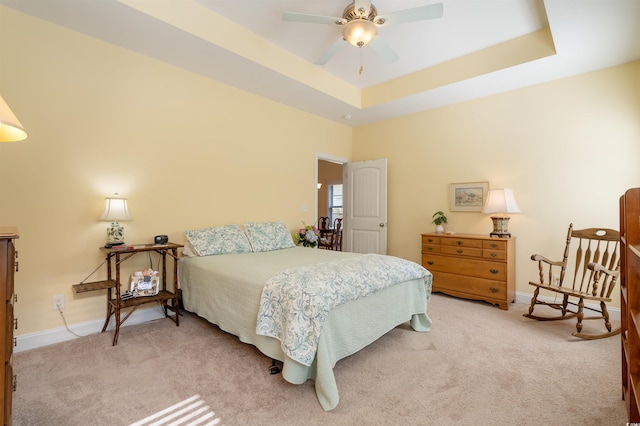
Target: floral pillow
{"type": "Point", "coordinates": [218, 240]}
{"type": "Point", "coordinates": [268, 236]}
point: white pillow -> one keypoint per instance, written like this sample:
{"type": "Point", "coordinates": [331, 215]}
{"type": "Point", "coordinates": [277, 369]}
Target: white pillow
{"type": "Point", "coordinates": [218, 240]}
{"type": "Point", "coordinates": [268, 236]}
{"type": "Point", "coordinates": [188, 250]}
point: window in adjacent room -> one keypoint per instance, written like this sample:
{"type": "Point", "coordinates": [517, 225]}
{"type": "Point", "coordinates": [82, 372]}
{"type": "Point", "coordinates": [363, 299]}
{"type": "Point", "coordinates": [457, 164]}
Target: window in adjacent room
{"type": "Point", "coordinates": [335, 202]}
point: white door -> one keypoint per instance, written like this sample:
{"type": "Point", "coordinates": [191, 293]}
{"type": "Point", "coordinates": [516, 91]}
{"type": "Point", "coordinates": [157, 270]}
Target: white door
{"type": "Point", "coordinates": [365, 207]}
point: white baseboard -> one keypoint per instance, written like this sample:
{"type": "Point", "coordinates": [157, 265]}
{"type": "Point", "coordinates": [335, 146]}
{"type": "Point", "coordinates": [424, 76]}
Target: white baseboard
{"type": "Point", "coordinates": [61, 334]}
{"type": "Point", "coordinates": [25, 342]}
{"type": "Point", "coordinates": [614, 313]}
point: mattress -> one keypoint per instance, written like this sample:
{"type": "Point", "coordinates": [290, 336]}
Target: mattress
{"type": "Point", "coordinates": [226, 290]}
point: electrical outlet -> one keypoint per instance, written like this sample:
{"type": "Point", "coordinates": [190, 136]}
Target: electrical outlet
{"type": "Point", "coordinates": [58, 302]}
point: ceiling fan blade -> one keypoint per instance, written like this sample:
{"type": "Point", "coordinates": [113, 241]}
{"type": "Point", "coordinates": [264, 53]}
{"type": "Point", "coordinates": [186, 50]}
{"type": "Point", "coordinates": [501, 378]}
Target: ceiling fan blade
{"type": "Point", "coordinates": [431, 11]}
{"type": "Point", "coordinates": [311, 19]}
{"type": "Point", "coordinates": [364, 4]}
{"type": "Point", "coordinates": [330, 52]}
{"type": "Point", "coordinates": [383, 50]}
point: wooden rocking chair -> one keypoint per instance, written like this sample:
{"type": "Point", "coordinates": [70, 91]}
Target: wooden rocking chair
{"type": "Point", "coordinates": [589, 273]}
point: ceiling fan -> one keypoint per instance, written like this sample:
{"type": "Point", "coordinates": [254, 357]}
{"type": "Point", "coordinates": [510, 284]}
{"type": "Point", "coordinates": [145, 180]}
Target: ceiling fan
{"type": "Point", "coordinates": [360, 22]}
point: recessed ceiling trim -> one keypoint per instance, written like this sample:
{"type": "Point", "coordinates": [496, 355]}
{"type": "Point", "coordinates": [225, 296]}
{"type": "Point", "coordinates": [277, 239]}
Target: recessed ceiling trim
{"type": "Point", "coordinates": [200, 21]}
{"type": "Point", "coordinates": [536, 45]}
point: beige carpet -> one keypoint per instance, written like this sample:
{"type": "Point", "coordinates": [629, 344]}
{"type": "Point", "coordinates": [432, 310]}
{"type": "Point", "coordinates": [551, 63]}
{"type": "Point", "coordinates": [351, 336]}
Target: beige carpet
{"type": "Point", "coordinates": [477, 366]}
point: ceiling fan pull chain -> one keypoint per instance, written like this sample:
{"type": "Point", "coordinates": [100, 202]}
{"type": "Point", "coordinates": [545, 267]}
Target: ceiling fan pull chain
{"type": "Point", "coordinates": [361, 67]}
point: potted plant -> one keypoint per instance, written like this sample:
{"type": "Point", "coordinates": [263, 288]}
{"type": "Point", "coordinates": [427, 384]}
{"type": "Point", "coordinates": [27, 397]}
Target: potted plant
{"type": "Point", "coordinates": [439, 218]}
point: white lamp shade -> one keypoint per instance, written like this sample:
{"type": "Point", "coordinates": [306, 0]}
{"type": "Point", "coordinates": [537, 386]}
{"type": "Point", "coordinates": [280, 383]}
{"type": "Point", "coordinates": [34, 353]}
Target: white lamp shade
{"type": "Point", "coordinates": [115, 209]}
{"type": "Point", "coordinates": [10, 128]}
{"type": "Point", "coordinates": [359, 32]}
{"type": "Point", "coordinates": [501, 201]}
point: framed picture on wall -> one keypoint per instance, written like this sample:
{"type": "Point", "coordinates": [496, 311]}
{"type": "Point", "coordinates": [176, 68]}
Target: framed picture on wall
{"type": "Point", "coordinates": [468, 197]}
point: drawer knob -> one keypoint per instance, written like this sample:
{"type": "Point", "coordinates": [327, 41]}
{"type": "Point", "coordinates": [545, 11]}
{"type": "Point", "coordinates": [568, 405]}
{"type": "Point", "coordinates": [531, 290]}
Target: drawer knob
{"type": "Point", "coordinates": [493, 290]}
{"type": "Point", "coordinates": [429, 248]}
{"type": "Point", "coordinates": [459, 251]}
{"type": "Point", "coordinates": [493, 245]}
{"type": "Point", "coordinates": [429, 262]}
{"type": "Point", "coordinates": [459, 242]}
{"type": "Point", "coordinates": [430, 240]}
{"type": "Point", "coordinates": [17, 266]}
{"type": "Point", "coordinates": [493, 271]}
{"type": "Point", "coordinates": [15, 383]}
{"type": "Point", "coordinates": [15, 323]}
{"type": "Point", "coordinates": [493, 254]}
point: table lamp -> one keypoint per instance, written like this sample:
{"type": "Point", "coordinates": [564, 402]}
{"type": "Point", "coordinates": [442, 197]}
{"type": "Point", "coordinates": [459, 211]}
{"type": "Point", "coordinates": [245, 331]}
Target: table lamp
{"type": "Point", "coordinates": [501, 202]}
{"type": "Point", "coordinates": [115, 209]}
{"type": "Point", "coordinates": [10, 128]}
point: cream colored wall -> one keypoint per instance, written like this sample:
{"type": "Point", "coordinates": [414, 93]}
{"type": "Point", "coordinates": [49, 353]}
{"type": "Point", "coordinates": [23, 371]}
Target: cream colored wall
{"type": "Point", "coordinates": [569, 149]}
{"type": "Point", "coordinates": [187, 152]}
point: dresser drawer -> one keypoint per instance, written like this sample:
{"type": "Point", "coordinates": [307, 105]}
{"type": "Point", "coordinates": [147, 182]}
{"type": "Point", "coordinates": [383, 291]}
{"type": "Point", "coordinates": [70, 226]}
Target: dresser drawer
{"type": "Point", "coordinates": [494, 254]}
{"type": "Point", "coordinates": [482, 288]}
{"type": "Point", "coordinates": [462, 242]}
{"type": "Point", "coordinates": [430, 248]}
{"type": "Point", "coordinates": [494, 245]}
{"type": "Point", "coordinates": [428, 239]}
{"type": "Point", "coordinates": [467, 267]}
{"type": "Point", "coordinates": [461, 251]}
{"type": "Point", "coordinates": [9, 332]}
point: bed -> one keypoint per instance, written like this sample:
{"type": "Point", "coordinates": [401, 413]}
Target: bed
{"type": "Point", "coordinates": [243, 287]}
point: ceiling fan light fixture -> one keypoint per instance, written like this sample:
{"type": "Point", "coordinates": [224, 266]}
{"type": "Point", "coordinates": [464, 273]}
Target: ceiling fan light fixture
{"type": "Point", "coordinates": [359, 32]}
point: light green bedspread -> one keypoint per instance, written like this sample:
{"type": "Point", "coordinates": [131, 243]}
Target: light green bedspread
{"type": "Point", "coordinates": [226, 290]}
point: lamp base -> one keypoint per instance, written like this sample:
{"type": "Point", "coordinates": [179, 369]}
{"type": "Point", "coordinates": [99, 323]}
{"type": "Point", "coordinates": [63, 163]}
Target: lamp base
{"type": "Point", "coordinates": [500, 234]}
{"type": "Point", "coordinates": [109, 245]}
{"type": "Point", "coordinates": [500, 225]}
{"type": "Point", "coordinates": [115, 235]}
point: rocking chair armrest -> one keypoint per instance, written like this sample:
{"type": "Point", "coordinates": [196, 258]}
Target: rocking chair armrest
{"type": "Point", "coordinates": [596, 267]}
{"type": "Point", "coordinates": [541, 258]}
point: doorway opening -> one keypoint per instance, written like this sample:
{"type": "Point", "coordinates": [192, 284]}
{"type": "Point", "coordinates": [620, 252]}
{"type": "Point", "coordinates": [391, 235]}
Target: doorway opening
{"type": "Point", "coordinates": [330, 190]}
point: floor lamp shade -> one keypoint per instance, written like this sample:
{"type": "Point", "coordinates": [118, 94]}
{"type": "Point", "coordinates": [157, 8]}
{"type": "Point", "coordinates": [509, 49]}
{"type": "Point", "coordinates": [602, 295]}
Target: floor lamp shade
{"type": "Point", "coordinates": [115, 209]}
{"type": "Point", "coordinates": [10, 128]}
{"type": "Point", "coordinates": [500, 202]}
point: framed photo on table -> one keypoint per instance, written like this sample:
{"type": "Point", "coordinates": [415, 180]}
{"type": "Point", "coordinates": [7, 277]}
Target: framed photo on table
{"type": "Point", "coordinates": [468, 197]}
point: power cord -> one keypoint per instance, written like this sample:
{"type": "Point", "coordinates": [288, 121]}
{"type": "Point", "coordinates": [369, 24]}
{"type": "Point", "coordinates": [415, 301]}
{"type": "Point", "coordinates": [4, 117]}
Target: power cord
{"type": "Point", "coordinates": [65, 321]}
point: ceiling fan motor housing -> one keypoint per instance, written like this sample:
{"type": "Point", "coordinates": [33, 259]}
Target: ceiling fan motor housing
{"type": "Point", "coordinates": [350, 13]}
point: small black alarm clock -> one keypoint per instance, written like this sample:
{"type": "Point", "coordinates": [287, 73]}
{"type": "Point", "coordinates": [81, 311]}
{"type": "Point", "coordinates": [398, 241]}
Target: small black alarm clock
{"type": "Point", "coordinates": [160, 239]}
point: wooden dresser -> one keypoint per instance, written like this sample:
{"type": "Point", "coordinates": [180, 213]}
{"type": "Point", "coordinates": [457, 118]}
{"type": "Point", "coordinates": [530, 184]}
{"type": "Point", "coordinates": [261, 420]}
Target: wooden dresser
{"type": "Point", "coordinates": [630, 301]}
{"type": "Point", "coordinates": [472, 266]}
{"type": "Point", "coordinates": [8, 266]}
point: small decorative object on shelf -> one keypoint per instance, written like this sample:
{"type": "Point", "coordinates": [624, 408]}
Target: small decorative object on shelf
{"type": "Point", "coordinates": [308, 236]}
{"type": "Point", "coordinates": [439, 218]}
{"type": "Point", "coordinates": [145, 283]}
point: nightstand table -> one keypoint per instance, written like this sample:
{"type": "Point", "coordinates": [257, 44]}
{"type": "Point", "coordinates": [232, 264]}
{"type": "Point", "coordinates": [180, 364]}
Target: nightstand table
{"type": "Point", "coordinates": [167, 299]}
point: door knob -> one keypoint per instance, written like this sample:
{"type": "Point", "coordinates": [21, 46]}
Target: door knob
{"type": "Point", "coordinates": [381, 225]}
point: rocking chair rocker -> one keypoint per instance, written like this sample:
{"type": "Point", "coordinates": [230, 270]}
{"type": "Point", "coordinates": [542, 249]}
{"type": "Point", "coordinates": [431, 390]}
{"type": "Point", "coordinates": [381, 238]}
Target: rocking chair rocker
{"type": "Point", "coordinates": [595, 273]}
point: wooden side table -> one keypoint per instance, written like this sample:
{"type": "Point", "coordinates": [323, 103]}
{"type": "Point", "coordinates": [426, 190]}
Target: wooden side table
{"type": "Point", "coordinates": [168, 299]}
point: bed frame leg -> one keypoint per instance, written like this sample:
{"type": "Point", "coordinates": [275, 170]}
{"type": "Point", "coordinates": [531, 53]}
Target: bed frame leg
{"type": "Point", "coordinates": [275, 367]}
